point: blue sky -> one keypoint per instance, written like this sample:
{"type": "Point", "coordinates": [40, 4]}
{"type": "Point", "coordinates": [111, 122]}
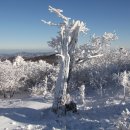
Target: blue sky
{"type": "Point", "coordinates": [21, 26]}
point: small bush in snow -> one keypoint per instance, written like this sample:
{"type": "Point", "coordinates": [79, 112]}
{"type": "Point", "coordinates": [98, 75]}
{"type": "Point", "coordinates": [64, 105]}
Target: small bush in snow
{"type": "Point", "coordinates": [123, 122]}
{"type": "Point", "coordinates": [82, 93]}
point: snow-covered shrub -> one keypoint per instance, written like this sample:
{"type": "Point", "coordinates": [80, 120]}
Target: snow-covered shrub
{"type": "Point", "coordinates": [5, 71]}
{"type": "Point", "coordinates": [82, 93]}
{"type": "Point", "coordinates": [123, 123]}
{"type": "Point", "coordinates": [11, 76]}
{"type": "Point", "coordinates": [38, 72]}
{"type": "Point", "coordinates": [122, 79]}
{"type": "Point", "coordinates": [124, 82]}
{"type": "Point", "coordinates": [39, 89]}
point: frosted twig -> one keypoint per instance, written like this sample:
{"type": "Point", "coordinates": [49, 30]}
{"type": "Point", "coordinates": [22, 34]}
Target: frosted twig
{"type": "Point", "coordinates": [58, 12]}
{"type": "Point", "coordinates": [50, 23]}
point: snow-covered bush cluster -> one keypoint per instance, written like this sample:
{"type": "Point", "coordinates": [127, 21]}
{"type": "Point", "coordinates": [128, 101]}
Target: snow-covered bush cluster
{"type": "Point", "coordinates": [108, 71]}
{"type": "Point", "coordinates": [26, 75]}
{"type": "Point", "coordinates": [102, 72]}
{"type": "Point", "coordinates": [40, 74]}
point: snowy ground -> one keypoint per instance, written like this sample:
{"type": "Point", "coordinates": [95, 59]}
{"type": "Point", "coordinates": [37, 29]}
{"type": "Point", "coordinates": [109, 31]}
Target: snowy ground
{"type": "Point", "coordinates": [34, 113]}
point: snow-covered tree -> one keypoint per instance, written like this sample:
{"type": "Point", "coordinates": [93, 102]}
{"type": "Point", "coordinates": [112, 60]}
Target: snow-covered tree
{"type": "Point", "coordinates": [65, 44]}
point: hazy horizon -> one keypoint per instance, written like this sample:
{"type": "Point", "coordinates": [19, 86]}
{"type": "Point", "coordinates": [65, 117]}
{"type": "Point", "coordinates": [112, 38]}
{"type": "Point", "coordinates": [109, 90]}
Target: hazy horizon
{"type": "Point", "coordinates": [12, 51]}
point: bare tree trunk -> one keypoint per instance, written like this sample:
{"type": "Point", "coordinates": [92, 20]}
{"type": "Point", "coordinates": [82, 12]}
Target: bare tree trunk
{"type": "Point", "coordinates": [12, 92]}
{"type": "Point", "coordinates": [61, 84]}
{"type": "Point", "coordinates": [4, 94]}
{"type": "Point", "coordinates": [72, 62]}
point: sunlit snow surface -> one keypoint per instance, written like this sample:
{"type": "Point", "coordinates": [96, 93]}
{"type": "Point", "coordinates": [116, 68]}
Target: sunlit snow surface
{"type": "Point", "coordinates": [34, 113]}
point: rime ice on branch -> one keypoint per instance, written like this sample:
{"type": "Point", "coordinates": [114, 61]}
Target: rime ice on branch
{"type": "Point", "coordinates": [95, 48]}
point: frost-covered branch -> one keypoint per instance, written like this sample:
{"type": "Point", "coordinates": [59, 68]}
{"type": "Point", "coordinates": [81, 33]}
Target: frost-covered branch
{"type": "Point", "coordinates": [58, 12]}
{"type": "Point", "coordinates": [107, 37]}
{"type": "Point", "coordinates": [50, 23]}
{"type": "Point", "coordinates": [55, 43]}
{"type": "Point", "coordinates": [95, 56]}
{"type": "Point", "coordinates": [96, 48]}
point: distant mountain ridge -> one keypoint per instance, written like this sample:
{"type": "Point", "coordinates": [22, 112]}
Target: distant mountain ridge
{"type": "Point", "coordinates": [49, 57]}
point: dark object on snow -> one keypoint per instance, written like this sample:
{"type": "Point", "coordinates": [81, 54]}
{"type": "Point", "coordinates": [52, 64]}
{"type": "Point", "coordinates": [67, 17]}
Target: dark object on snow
{"type": "Point", "coordinates": [71, 107]}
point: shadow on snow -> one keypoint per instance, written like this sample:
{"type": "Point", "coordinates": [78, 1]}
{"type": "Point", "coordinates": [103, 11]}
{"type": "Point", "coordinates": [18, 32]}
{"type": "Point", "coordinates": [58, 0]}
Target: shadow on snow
{"type": "Point", "coordinates": [89, 119]}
